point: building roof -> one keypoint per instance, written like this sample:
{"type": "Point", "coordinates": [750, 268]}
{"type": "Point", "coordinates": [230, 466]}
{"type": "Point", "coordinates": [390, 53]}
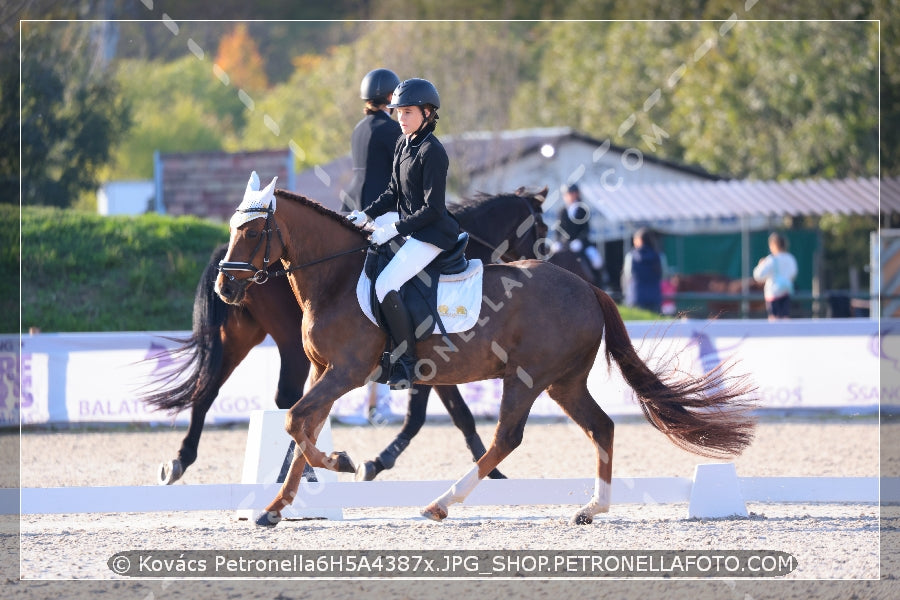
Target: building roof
{"type": "Point", "coordinates": [743, 198]}
{"type": "Point", "coordinates": [479, 151]}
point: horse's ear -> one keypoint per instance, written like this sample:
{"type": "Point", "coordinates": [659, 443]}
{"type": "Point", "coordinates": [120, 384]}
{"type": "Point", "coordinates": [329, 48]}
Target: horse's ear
{"type": "Point", "coordinates": [253, 184]}
{"type": "Point", "coordinates": [520, 191]}
{"type": "Point", "coordinates": [542, 194]}
{"type": "Point", "coordinates": [269, 188]}
{"type": "Point", "coordinates": [269, 192]}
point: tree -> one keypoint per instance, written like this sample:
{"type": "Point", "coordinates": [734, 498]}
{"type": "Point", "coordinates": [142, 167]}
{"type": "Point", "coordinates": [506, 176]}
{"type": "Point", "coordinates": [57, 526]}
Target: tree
{"type": "Point", "coordinates": [782, 101]}
{"type": "Point", "coordinates": [71, 114]}
{"type": "Point", "coordinates": [179, 106]}
{"type": "Point", "coordinates": [476, 74]}
{"type": "Point", "coordinates": [238, 56]}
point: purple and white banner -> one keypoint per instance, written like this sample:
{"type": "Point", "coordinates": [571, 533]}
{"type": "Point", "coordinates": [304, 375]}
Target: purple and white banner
{"type": "Point", "coordinates": [825, 364]}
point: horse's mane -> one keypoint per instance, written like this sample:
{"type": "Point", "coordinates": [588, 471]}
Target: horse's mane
{"type": "Point", "coordinates": [319, 208]}
{"type": "Point", "coordinates": [477, 201]}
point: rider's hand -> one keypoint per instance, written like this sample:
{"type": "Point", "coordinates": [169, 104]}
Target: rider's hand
{"type": "Point", "coordinates": [358, 218]}
{"type": "Point", "coordinates": [384, 233]}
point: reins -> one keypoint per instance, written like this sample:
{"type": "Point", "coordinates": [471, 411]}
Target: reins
{"type": "Point", "coordinates": [260, 276]}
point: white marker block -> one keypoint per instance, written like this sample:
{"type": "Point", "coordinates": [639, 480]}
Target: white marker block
{"type": "Point", "coordinates": [716, 492]}
{"type": "Point", "coordinates": [267, 446]}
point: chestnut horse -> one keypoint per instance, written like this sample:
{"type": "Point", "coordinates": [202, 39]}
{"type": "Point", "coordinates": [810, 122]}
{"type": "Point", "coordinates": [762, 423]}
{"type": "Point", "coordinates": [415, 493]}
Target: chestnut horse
{"type": "Point", "coordinates": [505, 227]}
{"type": "Point", "coordinates": [540, 328]}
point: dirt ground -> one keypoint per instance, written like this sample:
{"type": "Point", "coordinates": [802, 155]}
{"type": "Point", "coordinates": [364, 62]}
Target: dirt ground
{"type": "Point", "coordinates": [829, 541]}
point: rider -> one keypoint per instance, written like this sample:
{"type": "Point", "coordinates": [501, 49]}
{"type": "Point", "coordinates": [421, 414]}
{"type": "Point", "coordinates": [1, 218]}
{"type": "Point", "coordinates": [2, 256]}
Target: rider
{"type": "Point", "coordinates": [412, 206]}
{"type": "Point", "coordinates": [574, 229]}
{"type": "Point", "coordinates": [372, 150]}
{"type": "Point", "coordinates": [373, 141]}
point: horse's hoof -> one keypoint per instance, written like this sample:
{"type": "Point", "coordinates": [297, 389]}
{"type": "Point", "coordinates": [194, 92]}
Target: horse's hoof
{"type": "Point", "coordinates": [582, 519]}
{"type": "Point", "coordinates": [435, 512]}
{"type": "Point", "coordinates": [366, 471]}
{"type": "Point", "coordinates": [495, 474]}
{"type": "Point", "coordinates": [342, 462]}
{"type": "Point", "coordinates": [268, 518]}
{"type": "Point", "coordinates": [170, 472]}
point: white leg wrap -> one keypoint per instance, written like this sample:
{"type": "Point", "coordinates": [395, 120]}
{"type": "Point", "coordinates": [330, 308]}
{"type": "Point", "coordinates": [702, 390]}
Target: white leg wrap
{"type": "Point", "coordinates": [600, 500]}
{"type": "Point", "coordinates": [459, 490]}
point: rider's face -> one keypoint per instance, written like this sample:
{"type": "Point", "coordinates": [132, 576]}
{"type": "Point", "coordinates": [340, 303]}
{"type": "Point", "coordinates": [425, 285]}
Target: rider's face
{"type": "Point", "coordinates": [410, 118]}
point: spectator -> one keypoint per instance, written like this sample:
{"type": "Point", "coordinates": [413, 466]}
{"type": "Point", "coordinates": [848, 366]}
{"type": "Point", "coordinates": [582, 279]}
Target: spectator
{"type": "Point", "coordinates": [642, 273]}
{"type": "Point", "coordinates": [778, 270]}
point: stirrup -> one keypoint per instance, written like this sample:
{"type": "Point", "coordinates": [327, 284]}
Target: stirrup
{"type": "Point", "coordinates": [402, 373]}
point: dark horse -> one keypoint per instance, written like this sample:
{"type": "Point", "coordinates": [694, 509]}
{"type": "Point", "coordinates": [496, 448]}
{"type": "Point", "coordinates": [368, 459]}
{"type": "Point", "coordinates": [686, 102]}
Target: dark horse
{"type": "Point", "coordinates": [577, 264]}
{"type": "Point", "coordinates": [502, 227]}
{"type": "Point", "coordinates": [539, 328]}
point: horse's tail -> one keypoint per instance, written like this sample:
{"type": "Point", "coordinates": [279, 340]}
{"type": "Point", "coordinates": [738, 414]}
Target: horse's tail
{"type": "Point", "coordinates": [197, 362]}
{"type": "Point", "coordinates": [707, 415]}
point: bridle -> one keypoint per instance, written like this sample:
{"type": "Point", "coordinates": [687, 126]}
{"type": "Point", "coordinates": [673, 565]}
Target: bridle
{"type": "Point", "coordinates": [503, 251]}
{"type": "Point", "coordinates": [262, 275]}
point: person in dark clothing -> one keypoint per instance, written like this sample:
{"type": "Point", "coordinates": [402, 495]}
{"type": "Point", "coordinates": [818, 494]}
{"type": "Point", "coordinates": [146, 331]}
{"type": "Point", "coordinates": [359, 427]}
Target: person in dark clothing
{"type": "Point", "coordinates": [412, 206]}
{"type": "Point", "coordinates": [642, 273]}
{"type": "Point", "coordinates": [373, 141]}
{"type": "Point", "coordinates": [574, 230]}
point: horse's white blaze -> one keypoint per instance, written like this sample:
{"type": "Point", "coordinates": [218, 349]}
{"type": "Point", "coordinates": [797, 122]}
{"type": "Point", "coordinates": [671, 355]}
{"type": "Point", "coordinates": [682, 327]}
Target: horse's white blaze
{"type": "Point", "coordinates": [459, 490]}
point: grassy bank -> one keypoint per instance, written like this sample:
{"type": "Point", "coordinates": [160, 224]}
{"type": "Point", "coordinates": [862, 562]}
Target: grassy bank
{"type": "Point", "coordinates": [86, 272]}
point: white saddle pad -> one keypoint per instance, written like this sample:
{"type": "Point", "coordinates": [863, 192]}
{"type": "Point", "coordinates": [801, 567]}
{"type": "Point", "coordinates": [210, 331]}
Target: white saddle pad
{"type": "Point", "coordinates": [458, 298]}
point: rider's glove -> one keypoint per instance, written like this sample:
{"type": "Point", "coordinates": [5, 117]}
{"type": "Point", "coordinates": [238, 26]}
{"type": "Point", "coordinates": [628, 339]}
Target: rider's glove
{"type": "Point", "coordinates": [358, 218]}
{"type": "Point", "coordinates": [384, 233]}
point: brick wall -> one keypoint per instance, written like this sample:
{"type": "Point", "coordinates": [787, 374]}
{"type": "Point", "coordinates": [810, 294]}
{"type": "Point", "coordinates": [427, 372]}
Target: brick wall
{"type": "Point", "coordinates": [212, 184]}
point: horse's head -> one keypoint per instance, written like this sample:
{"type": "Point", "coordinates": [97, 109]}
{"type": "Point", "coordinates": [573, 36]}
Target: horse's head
{"type": "Point", "coordinates": [531, 232]}
{"type": "Point", "coordinates": [250, 248]}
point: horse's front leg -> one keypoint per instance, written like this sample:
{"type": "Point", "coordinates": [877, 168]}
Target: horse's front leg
{"type": "Point", "coordinates": [304, 421]}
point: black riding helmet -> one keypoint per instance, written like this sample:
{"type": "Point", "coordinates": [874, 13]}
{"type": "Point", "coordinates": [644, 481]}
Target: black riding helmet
{"type": "Point", "coordinates": [415, 92]}
{"type": "Point", "coordinates": [377, 85]}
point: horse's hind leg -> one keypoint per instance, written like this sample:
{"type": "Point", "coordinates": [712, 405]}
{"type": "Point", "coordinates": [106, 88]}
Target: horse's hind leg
{"type": "Point", "coordinates": [515, 404]}
{"type": "Point", "coordinates": [464, 421]}
{"type": "Point", "coordinates": [573, 397]}
{"type": "Point", "coordinates": [412, 423]}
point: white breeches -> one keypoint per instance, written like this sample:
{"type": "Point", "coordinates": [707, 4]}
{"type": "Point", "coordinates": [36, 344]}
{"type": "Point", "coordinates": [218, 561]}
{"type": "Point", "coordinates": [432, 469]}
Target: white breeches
{"type": "Point", "coordinates": [411, 258]}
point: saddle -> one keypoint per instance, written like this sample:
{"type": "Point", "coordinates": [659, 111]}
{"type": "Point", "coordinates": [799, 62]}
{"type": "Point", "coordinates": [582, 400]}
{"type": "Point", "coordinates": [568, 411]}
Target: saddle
{"type": "Point", "coordinates": [419, 293]}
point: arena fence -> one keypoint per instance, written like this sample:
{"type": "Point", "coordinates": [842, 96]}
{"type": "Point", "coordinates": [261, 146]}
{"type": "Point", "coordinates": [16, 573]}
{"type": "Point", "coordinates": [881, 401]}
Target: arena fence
{"type": "Point", "coordinates": [374, 494]}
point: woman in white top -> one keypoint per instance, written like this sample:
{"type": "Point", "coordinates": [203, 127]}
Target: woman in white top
{"type": "Point", "coordinates": [778, 271]}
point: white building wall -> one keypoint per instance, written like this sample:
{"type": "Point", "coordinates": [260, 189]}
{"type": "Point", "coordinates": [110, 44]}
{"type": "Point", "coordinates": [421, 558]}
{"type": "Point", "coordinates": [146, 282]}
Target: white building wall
{"type": "Point", "coordinates": [125, 197]}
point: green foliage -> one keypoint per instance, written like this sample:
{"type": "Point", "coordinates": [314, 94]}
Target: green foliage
{"type": "Point", "coordinates": [71, 114]}
{"type": "Point", "coordinates": [9, 268]}
{"type": "Point", "coordinates": [782, 101]}
{"type": "Point", "coordinates": [85, 272]}
{"type": "Point", "coordinates": [846, 241]}
{"type": "Point", "coordinates": [178, 107]}
{"type": "Point", "coordinates": [318, 107]}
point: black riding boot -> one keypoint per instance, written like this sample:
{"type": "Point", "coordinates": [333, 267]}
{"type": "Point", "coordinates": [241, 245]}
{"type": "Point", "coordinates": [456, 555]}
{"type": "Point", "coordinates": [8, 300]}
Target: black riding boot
{"type": "Point", "coordinates": [400, 326]}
